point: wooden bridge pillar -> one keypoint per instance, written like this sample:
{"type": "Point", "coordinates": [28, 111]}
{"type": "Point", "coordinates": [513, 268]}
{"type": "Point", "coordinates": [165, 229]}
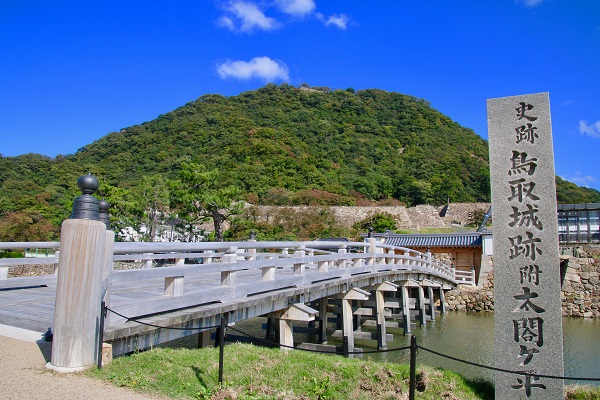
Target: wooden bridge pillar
{"type": "Point", "coordinates": [443, 287]}
{"type": "Point", "coordinates": [296, 312]}
{"type": "Point", "coordinates": [430, 285]}
{"type": "Point", "coordinates": [431, 300]}
{"type": "Point", "coordinates": [406, 286]}
{"type": "Point", "coordinates": [347, 320]}
{"type": "Point", "coordinates": [323, 320]}
{"type": "Point", "coordinates": [422, 314]}
{"type": "Point", "coordinates": [271, 328]}
{"type": "Point", "coordinates": [380, 304]}
{"type": "Point", "coordinates": [204, 339]}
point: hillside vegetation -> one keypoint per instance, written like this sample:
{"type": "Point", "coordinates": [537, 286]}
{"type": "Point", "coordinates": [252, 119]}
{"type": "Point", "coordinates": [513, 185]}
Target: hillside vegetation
{"type": "Point", "coordinates": [278, 145]}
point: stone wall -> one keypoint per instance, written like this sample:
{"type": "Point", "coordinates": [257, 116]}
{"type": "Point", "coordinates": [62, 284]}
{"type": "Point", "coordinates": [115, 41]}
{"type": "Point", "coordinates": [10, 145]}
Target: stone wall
{"type": "Point", "coordinates": [580, 288]}
{"type": "Point", "coordinates": [425, 216]}
{"type": "Point", "coordinates": [43, 269]}
{"type": "Point", "coordinates": [472, 298]}
{"type": "Point", "coordinates": [30, 270]}
{"type": "Point", "coordinates": [345, 215]}
{"type": "Point", "coordinates": [407, 218]}
{"type": "Point", "coordinates": [462, 213]}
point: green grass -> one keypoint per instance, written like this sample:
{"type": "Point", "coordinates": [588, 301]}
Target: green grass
{"type": "Point", "coordinates": [576, 392]}
{"type": "Point", "coordinates": [258, 373]}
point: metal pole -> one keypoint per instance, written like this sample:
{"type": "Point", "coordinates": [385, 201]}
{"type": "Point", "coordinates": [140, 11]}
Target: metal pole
{"type": "Point", "coordinates": [221, 347]}
{"type": "Point", "coordinates": [345, 347]}
{"type": "Point", "coordinates": [101, 333]}
{"type": "Point", "coordinates": [413, 367]}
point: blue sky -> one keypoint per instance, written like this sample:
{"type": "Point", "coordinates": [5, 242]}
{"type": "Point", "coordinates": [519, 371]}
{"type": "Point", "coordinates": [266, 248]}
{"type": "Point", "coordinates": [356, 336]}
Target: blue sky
{"type": "Point", "coordinates": [73, 71]}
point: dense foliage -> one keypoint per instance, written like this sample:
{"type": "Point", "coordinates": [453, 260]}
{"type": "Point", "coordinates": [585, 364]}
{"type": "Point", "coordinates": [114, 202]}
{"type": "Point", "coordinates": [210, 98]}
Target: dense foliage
{"type": "Point", "coordinates": [278, 145]}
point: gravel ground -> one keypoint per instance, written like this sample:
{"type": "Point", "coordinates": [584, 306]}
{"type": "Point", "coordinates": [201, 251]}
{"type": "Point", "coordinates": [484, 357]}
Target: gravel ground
{"type": "Point", "coordinates": [23, 375]}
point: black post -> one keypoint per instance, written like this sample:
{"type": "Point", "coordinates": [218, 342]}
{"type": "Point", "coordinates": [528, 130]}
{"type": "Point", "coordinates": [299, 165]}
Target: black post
{"type": "Point", "coordinates": [101, 333]}
{"type": "Point", "coordinates": [379, 338]}
{"type": "Point", "coordinates": [222, 346]}
{"type": "Point", "coordinates": [345, 347]}
{"type": "Point", "coordinates": [413, 367]}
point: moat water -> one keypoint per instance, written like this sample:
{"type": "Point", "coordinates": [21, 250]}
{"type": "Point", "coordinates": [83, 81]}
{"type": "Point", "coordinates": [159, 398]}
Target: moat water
{"type": "Point", "coordinates": [470, 336]}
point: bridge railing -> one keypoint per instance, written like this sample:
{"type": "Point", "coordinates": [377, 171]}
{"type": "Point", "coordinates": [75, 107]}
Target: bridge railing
{"type": "Point", "coordinates": [254, 254]}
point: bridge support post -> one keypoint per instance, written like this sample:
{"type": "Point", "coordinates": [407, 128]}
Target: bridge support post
{"type": "Point", "coordinates": [422, 315]}
{"type": "Point", "coordinates": [430, 285]}
{"type": "Point", "coordinates": [347, 314]}
{"type": "Point", "coordinates": [323, 320]}
{"type": "Point", "coordinates": [271, 329]}
{"type": "Point", "coordinates": [431, 299]}
{"type": "Point", "coordinates": [204, 339]}
{"type": "Point", "coordinates": [296, 312]}
{"type": "Point", "coordinates": [406, 286]}
{"type": "Point", "coordinates": [380, 305]}
{"type": "Point", "coordinates": [443, 298]}
{"type": "Point", "coordinates": [405, 311]}
{"type": "Point", "coordinates": [286, 334]}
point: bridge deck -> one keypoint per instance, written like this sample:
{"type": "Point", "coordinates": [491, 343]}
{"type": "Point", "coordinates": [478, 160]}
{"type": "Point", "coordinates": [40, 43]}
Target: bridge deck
{"type": "Point", "coordinates": [28, 303]}
{"type": "Point", "coordinates": [235, 285]}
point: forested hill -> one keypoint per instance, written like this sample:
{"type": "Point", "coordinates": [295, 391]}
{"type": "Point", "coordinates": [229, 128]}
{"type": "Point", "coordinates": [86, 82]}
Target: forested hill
{"type": "Point", "coordinates": [372, 143]}
{"type": "Point", "coordinates": [279, 145]}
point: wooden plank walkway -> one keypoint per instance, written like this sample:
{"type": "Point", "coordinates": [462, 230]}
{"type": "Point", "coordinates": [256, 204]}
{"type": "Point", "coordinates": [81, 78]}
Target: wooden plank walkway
{"type": "Point", "coordinates": [235, 286]}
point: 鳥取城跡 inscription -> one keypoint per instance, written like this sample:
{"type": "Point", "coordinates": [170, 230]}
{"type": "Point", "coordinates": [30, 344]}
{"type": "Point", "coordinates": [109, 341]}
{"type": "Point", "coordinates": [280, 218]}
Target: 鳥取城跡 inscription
{"type": "Point", "coordinates": [527, 304]}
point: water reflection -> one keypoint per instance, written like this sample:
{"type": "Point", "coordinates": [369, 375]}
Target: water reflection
{"type": "Point", "coordinates": [470, 336]}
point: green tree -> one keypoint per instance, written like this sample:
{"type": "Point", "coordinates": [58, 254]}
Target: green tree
{"type": "Point", "coordinates": [125, 210]}
{"type": "Point", "coordinates": [154, 200]}
{"type": "Point", "coordinates": [200, 194]}
{"type": "Point", "coordinates": [26, 226]}
{"type": "Point", "coordinates": [379, 222]}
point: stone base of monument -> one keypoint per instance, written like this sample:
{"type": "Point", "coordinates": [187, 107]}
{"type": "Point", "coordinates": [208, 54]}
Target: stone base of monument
{"type": "Point", "coordinates": [67, 370]}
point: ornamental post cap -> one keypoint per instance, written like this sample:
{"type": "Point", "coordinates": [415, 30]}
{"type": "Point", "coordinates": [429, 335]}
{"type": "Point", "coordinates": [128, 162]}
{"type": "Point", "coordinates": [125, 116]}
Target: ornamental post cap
{"type": "Point", "coordinates": [86, 205]}
{"type": "Point", "coordinates": [88, 184]}
{"type": "Point", "coordinates": [103, 215]}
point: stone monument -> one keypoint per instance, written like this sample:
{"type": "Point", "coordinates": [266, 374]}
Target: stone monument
{"type": "Point", "coordinates": [527, 322]}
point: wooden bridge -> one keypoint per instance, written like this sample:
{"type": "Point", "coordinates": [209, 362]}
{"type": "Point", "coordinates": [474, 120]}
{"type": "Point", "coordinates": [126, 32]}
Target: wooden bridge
{"type": "Point", "coordinates": [198, 284]}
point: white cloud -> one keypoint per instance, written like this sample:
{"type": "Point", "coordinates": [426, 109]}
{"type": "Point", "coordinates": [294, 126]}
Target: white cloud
{"type": "Point", "coordinates": [531, 3]}
{"type": "Point", "coordinates": [226, 22]}
{"type": "Point", "coordinates": [340, 21]}
{"type": "Point", "coordinates": [298, 8]}
{"type": "Point", "coordinates": [245, 17]}
{"type": "Point", "coordinates": [592, 130]}
{"type": "Point", "coordinates": [259, 67]}
{"type": "Point", "coordinates": [585, 181]}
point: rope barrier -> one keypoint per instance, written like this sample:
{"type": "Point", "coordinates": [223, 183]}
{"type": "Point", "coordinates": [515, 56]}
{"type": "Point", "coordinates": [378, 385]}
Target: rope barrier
{"type": "Point", "coordinates": [161, 327]}
{"type": "Point", "coordinates": [269, 342]}
{"type": "Point", "coordinates": [311, 350]}
{"type": "Point", "coordinates": [507, 370]}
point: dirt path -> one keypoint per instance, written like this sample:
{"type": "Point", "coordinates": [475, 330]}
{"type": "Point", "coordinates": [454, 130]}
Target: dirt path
{"type": "Point", "coordinates": [23, 375]}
